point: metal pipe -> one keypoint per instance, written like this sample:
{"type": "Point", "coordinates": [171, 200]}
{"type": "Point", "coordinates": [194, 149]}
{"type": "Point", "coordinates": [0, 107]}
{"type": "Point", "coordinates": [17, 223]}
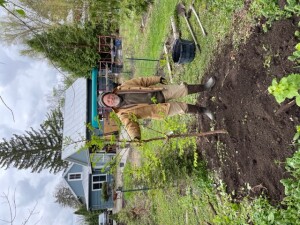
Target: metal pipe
{"type": "Point", "coordinates": [141, 59]}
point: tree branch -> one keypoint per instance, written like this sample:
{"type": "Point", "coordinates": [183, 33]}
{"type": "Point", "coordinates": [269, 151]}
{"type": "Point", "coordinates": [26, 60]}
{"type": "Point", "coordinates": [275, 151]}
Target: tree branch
{"type": "Point", "coordinates": [285, 107]}
{"type": "Point", "coordinates": [167, 137]}
{"type": "Point", "coordinates": [31, 213]}
{"type": "Point", "coordinates": [12, 206]}
{"type": "Point", "coordinates": [8, 108]}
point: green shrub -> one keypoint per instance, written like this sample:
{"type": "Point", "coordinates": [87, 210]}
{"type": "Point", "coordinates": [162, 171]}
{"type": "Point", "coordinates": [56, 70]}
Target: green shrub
{"type": "Point", "coordinates": [290, 215]}
{"type": "Point", "coordinates": [105, 191]}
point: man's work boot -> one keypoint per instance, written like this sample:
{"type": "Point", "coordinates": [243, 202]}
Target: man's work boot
{"type": "Point", "coordinates": [194, 109]}
{"type": "Point", "coordinates": [195, 88]}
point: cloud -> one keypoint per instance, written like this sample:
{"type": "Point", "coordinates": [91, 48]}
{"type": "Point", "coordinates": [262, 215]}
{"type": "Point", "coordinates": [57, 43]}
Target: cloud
{"type": "Point", "coordinates": [30, 192]}
{"type": "Point", "coordinates": [9, 67]}
{"type": "Point", "coordinates": [25, 93]}
{"type": "Point", "coordinates": [24, 85]}
{"type": "Point", "coordinates": [25, 186]}
{"type": "Point", "coordinates": [6, 129]}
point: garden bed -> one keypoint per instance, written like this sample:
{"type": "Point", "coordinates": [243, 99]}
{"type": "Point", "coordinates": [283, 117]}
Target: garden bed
{"type": "Point", "coordinates": [259, 139]}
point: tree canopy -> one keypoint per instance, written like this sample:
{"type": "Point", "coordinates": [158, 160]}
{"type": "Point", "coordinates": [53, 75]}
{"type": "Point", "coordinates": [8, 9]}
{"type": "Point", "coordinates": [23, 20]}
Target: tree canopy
{"type": "Point", "coordinates": [71, 48]}
{"type": "Point", "coordinates": [65, 197]}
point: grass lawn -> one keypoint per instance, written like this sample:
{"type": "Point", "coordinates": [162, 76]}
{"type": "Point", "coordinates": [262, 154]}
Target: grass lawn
{"type": "Point", "coordinates": [181, 190]}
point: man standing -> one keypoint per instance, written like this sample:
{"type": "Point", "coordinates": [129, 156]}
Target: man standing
{"type": "Point", "coordinates": [149, 97]}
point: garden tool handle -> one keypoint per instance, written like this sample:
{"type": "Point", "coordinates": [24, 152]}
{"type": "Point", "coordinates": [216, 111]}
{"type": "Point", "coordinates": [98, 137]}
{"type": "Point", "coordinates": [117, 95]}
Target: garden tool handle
{"type": "Point", "coordinates": [192, 33]}
{"type": "Point", "coordinates": [198, 19]}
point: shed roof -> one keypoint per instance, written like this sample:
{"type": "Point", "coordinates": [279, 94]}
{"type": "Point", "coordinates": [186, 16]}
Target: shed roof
{"type": "Point", "coordinates": [75, 118]}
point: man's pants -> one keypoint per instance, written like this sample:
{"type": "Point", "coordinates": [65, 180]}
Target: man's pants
{"type": "Point", "coordinates": [172, 92]}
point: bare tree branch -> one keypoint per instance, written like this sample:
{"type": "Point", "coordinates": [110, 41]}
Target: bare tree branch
{"type": "Point", "coordinates": [285, 107]}
{"type": "Point", "coordinates": [31, 213]}
{"type": "Point", "coordinates": [13, 116]}
{"type": "Point", "coordinates": [12, 206]}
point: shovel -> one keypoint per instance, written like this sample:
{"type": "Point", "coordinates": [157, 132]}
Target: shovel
{"type": "Point", "coordinates": [181, 11]}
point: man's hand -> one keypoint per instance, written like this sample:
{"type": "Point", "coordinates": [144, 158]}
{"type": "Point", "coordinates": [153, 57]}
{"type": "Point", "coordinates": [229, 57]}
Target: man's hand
{"type": "Point", "coordinates": [136, 139]}
{"type": "Point", "coordinates": [163, 81]}
{"type": "Point", "coordinates": [137, 142]}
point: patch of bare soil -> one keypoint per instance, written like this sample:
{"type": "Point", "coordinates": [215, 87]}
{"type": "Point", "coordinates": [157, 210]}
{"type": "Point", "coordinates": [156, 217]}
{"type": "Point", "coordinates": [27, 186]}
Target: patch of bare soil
{"type": "Point", "coordinates": [258, 139]}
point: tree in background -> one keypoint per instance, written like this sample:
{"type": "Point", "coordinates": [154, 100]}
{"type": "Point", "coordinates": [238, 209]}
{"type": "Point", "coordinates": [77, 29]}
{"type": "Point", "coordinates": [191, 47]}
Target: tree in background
{"type": "Point", "coordinates": [136, 6]}
{"type": "Point", "coordinates": [26, 17]}
{"type": "Point", "coordinates": [56, 11]}
{"type": "Point", "coordinates": [90, 217]}
{"type": "Point", "coordinates": [108, 15]}
{"type": "Point", "coordinates": [22, 23]}
{"type": "Point", "coordinates": [56, 99]}
{"type": "Point", "coordinates": [36, 149]}
{"type": "Point", "coordinates": [65, 197]}
{"type": "Point", "coordinates": [71, 48]}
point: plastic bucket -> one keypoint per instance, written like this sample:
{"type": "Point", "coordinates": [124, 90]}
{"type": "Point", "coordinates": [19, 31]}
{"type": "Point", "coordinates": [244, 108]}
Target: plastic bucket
{"type": "Point", "coordinates": [183, 51]}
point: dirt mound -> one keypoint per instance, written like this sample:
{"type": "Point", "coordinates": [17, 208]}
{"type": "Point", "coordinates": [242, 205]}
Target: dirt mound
{"type": "Point", "coordinates": [259, 139]}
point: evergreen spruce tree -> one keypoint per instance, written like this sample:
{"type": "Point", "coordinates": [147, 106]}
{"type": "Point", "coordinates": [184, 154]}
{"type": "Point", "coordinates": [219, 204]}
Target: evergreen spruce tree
{"type": "Point", "coordinates": [72, 48]}
{"type": "Point", "coordinates": [90, 217]}
{"type": "Point", "coordinates": [36, 149]}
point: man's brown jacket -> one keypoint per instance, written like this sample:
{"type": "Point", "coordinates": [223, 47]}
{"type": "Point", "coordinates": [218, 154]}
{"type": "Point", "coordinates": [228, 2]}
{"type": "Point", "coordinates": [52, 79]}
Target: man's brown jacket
{"type": "Point", "coordinates": [130, 114]}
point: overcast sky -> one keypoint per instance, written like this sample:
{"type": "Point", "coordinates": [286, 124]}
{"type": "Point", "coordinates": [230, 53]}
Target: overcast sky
{"type": "Point", "coordinates": [24, 85]}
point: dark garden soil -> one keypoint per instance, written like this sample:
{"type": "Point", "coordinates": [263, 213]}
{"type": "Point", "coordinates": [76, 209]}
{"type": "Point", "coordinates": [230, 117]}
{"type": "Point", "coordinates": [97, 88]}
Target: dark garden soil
{"type": "Point", "coordinates": [259, 132]}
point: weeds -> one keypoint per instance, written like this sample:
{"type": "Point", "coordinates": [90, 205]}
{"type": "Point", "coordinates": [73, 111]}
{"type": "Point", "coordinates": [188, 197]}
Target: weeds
{"type": "Point", "coordinates": [287, 87]}
{"type": "Point", "coordinates": [290, 214]}
{"type": "Point", "coordinates": [296, 54]}
{"type": "Point", "coordinates": [221, 151]}
{"type": "Point", "coordinates": [267, 61]}
{"type": "Point", "coordinates": [296, 138]}
{"type": "Point", "coordinates": [268, 11]}
{"type": "Point", "coordinates": [293, 7]}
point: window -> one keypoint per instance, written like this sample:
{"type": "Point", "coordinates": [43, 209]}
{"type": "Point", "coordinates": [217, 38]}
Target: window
{"type": "Point", "coordinates": [100, 178]}
{"type": "Point", "coordinates": [97, 181]}
{"type": "Point", "coordinates": [97, 186]}
{"type": "Point", "coordinates": [74, 176]}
